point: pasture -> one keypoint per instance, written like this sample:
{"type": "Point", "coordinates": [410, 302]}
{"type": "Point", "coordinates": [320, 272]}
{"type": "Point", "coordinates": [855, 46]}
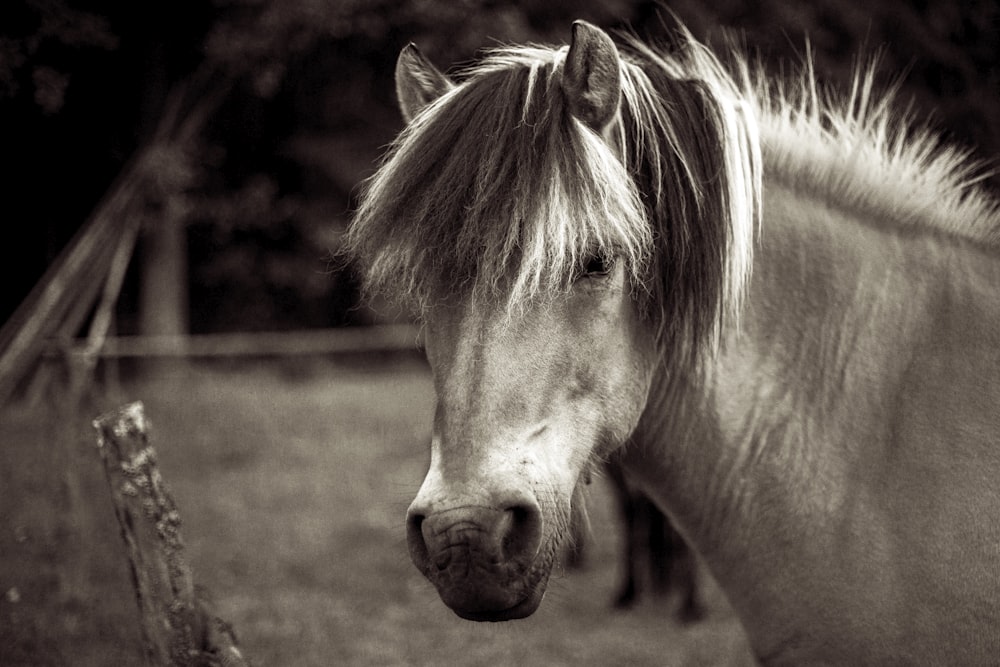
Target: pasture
{"type": "Point", "coordinates": [293, 482]}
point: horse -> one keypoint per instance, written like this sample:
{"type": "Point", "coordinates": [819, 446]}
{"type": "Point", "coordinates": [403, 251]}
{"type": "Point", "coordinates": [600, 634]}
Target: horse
{"type": "Point", "coordinates": [777, 304]}
{"type": "Point", "coordinates": [655, 556]}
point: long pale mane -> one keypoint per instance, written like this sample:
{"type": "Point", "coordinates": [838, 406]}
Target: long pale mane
{"type": "Point", "coordinates": [856, 149]}
{"type": "Point", "coordinates": [690, 141]}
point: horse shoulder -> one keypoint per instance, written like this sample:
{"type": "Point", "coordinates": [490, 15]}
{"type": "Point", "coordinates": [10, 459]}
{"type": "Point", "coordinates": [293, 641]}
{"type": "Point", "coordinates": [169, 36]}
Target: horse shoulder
{"type": "Point", "coordinates": [861, 427]}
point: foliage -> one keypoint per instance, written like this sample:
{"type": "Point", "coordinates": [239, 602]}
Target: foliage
{"type": "Point", "coordinates": [40, 38]}
{"type": "Point", "coordinates": [310, 105]}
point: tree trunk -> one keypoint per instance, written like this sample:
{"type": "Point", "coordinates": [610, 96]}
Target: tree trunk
{"type": "Point", "coordinates": [163, 308]}
{"type": "Point", "coordinates": [163, 290]}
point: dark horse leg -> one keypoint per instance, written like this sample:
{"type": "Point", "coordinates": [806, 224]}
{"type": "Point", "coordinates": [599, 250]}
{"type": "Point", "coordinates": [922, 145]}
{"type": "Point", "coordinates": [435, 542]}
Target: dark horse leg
{"type": "Point", "coordinates": [683, 573]}
{"type": "Point", "coordinates": [654, 548]}
{"type": "Point", "coordinates": [631, 509]}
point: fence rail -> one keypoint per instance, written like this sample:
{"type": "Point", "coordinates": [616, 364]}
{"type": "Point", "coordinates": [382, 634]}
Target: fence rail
{"type": "Point", "coordinates": [377, 338]}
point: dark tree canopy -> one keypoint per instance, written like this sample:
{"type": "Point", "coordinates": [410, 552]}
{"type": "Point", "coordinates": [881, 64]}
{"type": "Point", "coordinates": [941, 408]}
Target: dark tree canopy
{"type": "Point", "coordinates": [310, 104]}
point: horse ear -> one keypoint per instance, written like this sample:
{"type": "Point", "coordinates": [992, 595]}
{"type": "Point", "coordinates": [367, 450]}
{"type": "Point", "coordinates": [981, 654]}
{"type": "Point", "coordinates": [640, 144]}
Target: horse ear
{"type": "Point", "coordinates": [418, 82]}
{"type": "Point", "coordinates": [592, 76]}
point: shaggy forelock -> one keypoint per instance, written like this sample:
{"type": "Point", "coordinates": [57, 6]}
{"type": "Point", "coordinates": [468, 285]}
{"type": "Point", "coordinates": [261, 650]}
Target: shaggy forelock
{"type": "Point", "coordinates": [496, 190]}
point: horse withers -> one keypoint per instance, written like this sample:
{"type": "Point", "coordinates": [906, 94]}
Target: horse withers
{"type": "Point", "coordinates": [786, 305]}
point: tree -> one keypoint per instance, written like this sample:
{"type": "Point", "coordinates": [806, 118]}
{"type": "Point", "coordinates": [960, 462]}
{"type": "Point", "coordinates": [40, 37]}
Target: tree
{"type": "Point", "coordinates": [309, 104]}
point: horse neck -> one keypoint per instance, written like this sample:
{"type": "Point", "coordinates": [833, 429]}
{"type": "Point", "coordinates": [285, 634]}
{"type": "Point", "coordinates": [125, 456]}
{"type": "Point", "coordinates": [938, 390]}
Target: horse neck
{"type": "Point", "coordinates": [769, 444]}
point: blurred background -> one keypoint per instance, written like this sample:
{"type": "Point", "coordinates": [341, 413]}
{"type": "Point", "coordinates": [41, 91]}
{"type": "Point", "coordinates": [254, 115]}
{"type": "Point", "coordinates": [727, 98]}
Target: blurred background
{"type": "Point", "coordinates": [229, 138]}
{"type": "Point", "coordinates": [293, 102]}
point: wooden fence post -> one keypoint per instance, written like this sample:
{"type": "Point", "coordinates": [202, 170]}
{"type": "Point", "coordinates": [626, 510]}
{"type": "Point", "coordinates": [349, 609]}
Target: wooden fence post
{"type": "Point", "coordinates": [178, 628]}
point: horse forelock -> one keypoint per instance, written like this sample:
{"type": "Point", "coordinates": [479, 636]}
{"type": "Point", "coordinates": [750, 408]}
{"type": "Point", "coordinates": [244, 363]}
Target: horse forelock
{"type": "Point", "coordinates": [495, 190]}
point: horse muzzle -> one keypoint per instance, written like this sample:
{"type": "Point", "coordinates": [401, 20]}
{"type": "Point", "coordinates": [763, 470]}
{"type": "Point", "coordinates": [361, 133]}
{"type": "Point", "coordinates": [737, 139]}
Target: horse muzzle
{"type": "Point", "coordinates": [482, 560]}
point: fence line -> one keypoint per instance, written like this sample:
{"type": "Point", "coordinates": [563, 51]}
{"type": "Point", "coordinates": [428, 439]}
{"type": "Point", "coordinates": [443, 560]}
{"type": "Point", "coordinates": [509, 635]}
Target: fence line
{"type": "Point", "coordinates": [376, 338]}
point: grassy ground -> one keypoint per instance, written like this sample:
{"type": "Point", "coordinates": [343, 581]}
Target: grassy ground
{"type": "Point", "coordinates": [292, 485]}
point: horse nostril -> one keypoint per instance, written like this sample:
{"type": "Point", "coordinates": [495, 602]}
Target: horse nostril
{"type": "Point", "coordinates": [521, 531]}
{"type": "Point", "coordinates": [415, 540]}
{"type": "Point", "coordinates": [477, 532]}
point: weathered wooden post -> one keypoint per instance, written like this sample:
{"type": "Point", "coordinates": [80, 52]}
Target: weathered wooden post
{"type": "Point", "coordinates": [178, 628]}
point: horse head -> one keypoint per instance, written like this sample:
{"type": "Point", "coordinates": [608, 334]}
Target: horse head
{"type": "Point", "coordinates": [565, 220]}
{"type": "Point", "coordinates": [529, 394]}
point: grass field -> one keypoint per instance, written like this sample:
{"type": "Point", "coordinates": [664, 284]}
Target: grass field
{"type": "Point", "coordinates": [292, 483]}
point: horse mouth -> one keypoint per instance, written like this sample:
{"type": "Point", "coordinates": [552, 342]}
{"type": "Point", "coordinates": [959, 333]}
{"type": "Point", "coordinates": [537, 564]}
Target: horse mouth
{"type": "Point", "coordinates": [487, 564]}
{"type": "Point", "coordinates": [493, 601]}
{"type": "Point", "coordinates": [522, 609]}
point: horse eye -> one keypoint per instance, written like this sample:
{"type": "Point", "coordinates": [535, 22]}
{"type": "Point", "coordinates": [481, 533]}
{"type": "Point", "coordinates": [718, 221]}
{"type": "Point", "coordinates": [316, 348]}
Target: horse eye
{"type": "Point", "coordinates": [597, 265]}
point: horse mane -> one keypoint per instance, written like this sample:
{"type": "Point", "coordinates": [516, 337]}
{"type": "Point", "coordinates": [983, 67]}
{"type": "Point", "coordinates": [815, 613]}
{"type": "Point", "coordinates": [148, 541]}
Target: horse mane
{"type": "Point", "coordinates": [495, 190]}
{"type": "Point", "coordinates": [690, 140]}
{"type": "Point", "coordinates": [858, 150]}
